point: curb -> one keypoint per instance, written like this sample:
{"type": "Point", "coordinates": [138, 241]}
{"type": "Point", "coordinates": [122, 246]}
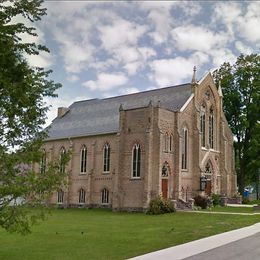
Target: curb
{"type": "Point", "coordinates": [201, 245]}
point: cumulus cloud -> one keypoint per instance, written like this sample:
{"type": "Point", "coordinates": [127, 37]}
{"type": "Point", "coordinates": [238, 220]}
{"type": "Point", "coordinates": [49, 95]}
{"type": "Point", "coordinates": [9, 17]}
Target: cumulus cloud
{"type": "Point", "coordinates": [191, 37]}
{"type": "Point", "coordinates": [73, 78]}
{"type": "Point", "coordinates": [168, 72]}
{"type": "Point", "coordinates": [159, 14]}
{"type": "Point", "coordinates": [120, 32]}
{"type": "Point", "coordinates": [239, 19]}
{"type": "Point", "coordinates": [249, 24]}
{"type": "Point", "coordinates": [222, 55]}
{"type": "Point", "coordinates": [132, 90]}
{"type": "Point", "coordinates": [106, 81]}
{"type": "Point", "coordinates": [243, 48]}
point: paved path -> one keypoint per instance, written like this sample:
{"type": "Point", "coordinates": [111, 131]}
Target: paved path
{"type": "Point", "coordinates": [243, 249]}
{"type": "Point", "coordinates": [202, 245]}
{"type": "Point", "coordinates": [223, 212]}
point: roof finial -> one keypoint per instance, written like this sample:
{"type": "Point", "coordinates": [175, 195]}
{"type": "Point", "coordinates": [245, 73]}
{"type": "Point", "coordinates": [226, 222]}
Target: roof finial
{"type": "Point", "coordinates": [220, 89]}
{"type": "Point", "coordinates": [194, 80]}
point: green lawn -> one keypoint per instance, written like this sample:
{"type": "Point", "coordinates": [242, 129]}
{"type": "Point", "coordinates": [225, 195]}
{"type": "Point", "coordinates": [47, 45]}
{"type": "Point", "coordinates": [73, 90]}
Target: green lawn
{"type": "Point", "coordinates": [233, 209]}
{"type": "Point", "coordinates": [102, 234]}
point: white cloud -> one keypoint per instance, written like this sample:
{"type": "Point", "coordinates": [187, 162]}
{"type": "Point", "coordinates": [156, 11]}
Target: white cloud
{"type": "Point", "coordinates": [132, 67]}
{"type": "Point", "coordinates": [55, 103]}
{"type": "Point", "coordinates": [191, 37]}
{"type": "Point", "coordinates": [43, 60]}
{"type": "Point", "coordinates": [126, 91]}
{"type": "Point", "coordinates": [73, 78]}
{"type": "Point", "coordinates": [239, 21]}
{"type": "Point", "coordinates": [242, 48]}
{"type": "Point", "coordinates": [249, 24]}
{"type": "Point", "coordinates": [106, 81]}
{"type": "Point", "coordinates": [226, 13]}
{"type": "Point", "coordinates": [220, 56]}
{"type": "Point", "coordinates": [160, 18]}
{"type": "Point", "coordinates": [168, 72]}
{"type": "Point", "coordinates": [120, 33]}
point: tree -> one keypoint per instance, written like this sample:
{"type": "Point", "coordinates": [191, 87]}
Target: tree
{"type": "Point", "coordinates": [241, 90]}
{"type": "Point", "coordinates": [22, 116]}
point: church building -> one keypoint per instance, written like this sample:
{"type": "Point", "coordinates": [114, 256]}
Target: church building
{"type": "Point", "coordinates": [126, 150]}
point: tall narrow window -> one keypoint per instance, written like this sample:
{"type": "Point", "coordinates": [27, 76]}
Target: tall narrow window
{"type": "Point", "coordinates": [171, 143]}
{"type": "Point", "coordinates": [83, 160]}
{"type": "Point", "coordinates": [106, 157]}
{"type": "Point", "coordinates": [43, 162]}
{"type": "Point", "coordinates": [82, 196]}
{"type": "Point", "coordinates": [211, 129]}
{"type": "Point", "coordinates": [136, 158]}
{"type": "Point", "coordinates": [105, 196]}
{"type": "Point", "coordinates": [62, 158]}
{"type": "Point", "coordinates": [166, 142]}
{"type": "Point", "coordinates": [202, 128]}
{"type": "Point", "coordinates": [184, 148]}
{"type": "Point", "coordinates": [60, 196]}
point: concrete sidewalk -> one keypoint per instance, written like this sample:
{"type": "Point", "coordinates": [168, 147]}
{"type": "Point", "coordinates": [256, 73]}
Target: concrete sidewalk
{"type": "Point", "coordinates": [201, 245]}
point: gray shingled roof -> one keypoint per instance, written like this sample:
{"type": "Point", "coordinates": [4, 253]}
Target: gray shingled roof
{"type": "Point", "coordinates": [100, 116]}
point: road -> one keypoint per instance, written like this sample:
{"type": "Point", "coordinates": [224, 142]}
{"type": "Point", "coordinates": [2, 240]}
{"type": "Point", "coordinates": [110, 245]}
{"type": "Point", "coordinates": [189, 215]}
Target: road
{"type": "Point", "coordinates": [244, 249]}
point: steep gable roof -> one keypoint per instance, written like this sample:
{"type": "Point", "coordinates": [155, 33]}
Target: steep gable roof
{"type": "Point", "coordinates": [100, 116]}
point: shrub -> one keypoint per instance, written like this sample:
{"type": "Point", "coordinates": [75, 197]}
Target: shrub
{"type": "Point", "coordinates": [245, 201]}
{"type": "Point", "coordinates": [202, 201]}
{"type": "Point", "coordinates": [160, 205]}
{"type": "Point", "coordinates": [215, 199]}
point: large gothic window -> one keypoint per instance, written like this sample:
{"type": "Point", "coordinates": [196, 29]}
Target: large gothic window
{"type": "Point", "coordinates": [43, 162]}
{"type": "Point", "coordinates": [184, 148]}
{"type": "Point", "coordinates": [166, 142]}
{"type": "Point", "coordinates": [60, 197]}
{"type": "Point", "coordinates": [62, 160]}
{"type": "Point", "coordinates": [211, 129]}
{"type": "Point", "coordinates": [82, 196]}
{"type": "Point", "coordinates": [202, 127]}
{"type": "Point", "coordinates": [171, 143]}
{"type": "Point", "coordinates": [136, 159]}
{"type": "Point", "coordinates": [83, 159]}
{"type": "Point", "coordinates": [106, 158]}
{"type": "Point", "coordinates": [105, 196]}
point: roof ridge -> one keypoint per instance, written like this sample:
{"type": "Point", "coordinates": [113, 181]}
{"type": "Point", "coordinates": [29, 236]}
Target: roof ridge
{"type": "Point", "coordinates": [124, 95]}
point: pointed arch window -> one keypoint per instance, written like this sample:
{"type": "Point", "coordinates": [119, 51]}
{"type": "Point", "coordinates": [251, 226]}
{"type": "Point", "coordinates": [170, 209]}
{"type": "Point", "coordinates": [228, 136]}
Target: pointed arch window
{"type": "Point", "coordinates": [171, 143]}
{"type": "Point", "coordinates": [83, 159]}
{"type": "Point", "coordinates": [106, 158]}
{"type": "Point", "coordinates": [166, 142]}
{"type": "Point", "coordinates": [105, 196]}
{"type": "Point", "coordinates": [203, 126]}
{"type": "Point", "coordinates": [82, 196]}
{"type": "Point", "coordinates": [43, 162]}
{"type": "Point", "coordinates": [60, 196]}
{"type": "Point", "coordinates": [184, 149]}
{"type": "Point", "coordinates": [136, 158]}
{"type": "Point", "coordinates": [62, 160]}
{"type": "Point", "coordinates": [211, 129]}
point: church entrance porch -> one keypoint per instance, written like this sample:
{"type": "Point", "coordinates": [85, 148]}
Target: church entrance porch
{"type": "Point", "coordinates": [208, 187]}
{"type": "Point", "coordinates": [165, 188]}
{"type": "Point", "coordinates": [165, 181]}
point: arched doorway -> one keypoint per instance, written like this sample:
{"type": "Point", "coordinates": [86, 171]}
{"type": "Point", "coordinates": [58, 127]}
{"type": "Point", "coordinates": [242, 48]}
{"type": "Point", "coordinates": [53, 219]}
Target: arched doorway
{"type": "Point", "coordinates": [165, 176]}
{"type": "Point", "coordinates": [208, 174]}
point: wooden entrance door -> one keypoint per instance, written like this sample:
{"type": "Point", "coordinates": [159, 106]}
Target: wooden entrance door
{"type": "Point", "coordinates": [208, 188]}
{"type": "Point", "coordinates": [165, 188]}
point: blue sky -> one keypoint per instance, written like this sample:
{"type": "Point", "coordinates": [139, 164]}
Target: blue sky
{"type": "Point", "coordinates": [102, 49]}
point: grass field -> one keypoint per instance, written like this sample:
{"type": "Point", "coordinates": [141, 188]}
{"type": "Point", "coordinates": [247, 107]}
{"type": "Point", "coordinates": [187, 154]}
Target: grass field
{"type": "Point", "coordinates": [102, 234]}
{"type": "Point", "coordinates": [233, 209]}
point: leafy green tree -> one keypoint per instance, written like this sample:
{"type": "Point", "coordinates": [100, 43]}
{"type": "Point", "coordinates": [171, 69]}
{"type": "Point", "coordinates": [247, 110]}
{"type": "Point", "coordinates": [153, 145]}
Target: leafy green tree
{"type": "Point", "coordinates": [22, 116]}
{"type": "Point", "coordinates": [241, 90]}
